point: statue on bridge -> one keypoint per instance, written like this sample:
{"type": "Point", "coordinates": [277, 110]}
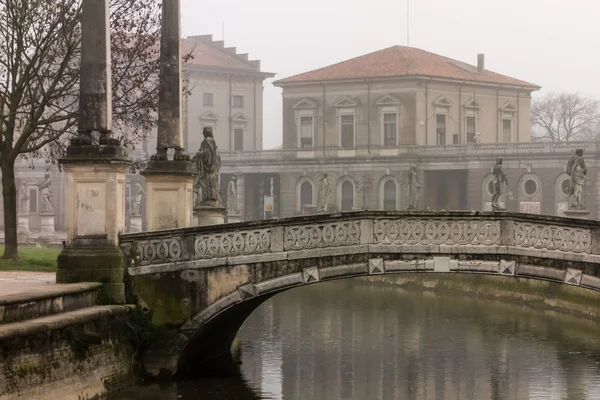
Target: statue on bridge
{"type": "Point", "coordinates": [324, 191]}
{"type": "Point", "coordinates": [208, 165]}
{"type": "Point", "coordinates": [232, 206]}
{"type": "Point", "coordinates": [577, 171]}
{"type": "Point", "coordinates": [499, 181]}
{"type": "Point", "coordinates": [413, 188]}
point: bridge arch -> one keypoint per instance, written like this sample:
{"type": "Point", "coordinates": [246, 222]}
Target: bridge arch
{"type": "Point", "coordinates": [224, 272]}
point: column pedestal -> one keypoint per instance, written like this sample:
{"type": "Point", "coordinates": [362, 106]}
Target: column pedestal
{"type": "Point", "coordinates": [47, 234]}
{"type": "Point", "coordinates": [233, 218]}
{"type": "Point", "coordinates": [135, 224]}
{"type": "Point", "coordinates": [579, 214]}
{"type": "Point", "coordinates": [209, 215]}
{"type": "Point", "coordinates": [169, 194]}
{"type": "Point", "coordinates": [95, 210]}
{"type": "Point", "coordinates": [23, 225]}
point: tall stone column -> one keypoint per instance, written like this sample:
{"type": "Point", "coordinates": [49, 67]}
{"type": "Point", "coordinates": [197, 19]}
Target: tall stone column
{"type": "Point", "coordinates": [95, 171]}
{"type": "Point", "coordinates": [169, 183]}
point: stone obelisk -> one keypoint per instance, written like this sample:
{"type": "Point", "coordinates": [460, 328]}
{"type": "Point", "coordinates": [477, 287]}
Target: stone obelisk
{"type": "Point", "coordinates": [169, 182]}
{"type": "Point", "coordinates": [95, 167]}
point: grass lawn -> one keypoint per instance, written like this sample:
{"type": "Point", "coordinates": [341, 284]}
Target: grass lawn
{"type": "Point", "coordinates": [39, 259]}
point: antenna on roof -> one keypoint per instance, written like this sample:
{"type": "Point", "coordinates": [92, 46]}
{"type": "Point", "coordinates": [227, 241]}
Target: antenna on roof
{"type": "Point", "coordinates": [408, 23]}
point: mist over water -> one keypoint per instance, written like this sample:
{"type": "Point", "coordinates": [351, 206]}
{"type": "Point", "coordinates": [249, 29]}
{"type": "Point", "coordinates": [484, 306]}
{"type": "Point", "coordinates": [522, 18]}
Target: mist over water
{"type": "Point", "coordinates": [353, 340]}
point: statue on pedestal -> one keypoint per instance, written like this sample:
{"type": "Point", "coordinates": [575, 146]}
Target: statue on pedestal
{"type": "Point", "coordinates": [208, 164]}
{"type": "Point", "coordinates": [24, 198]}
{"type": "Point", "coordinates": [46, 193]}
{"type": "Point", "coordinates": [323, 198]}
{"type": "Point", "coordinates": [499, 181]}
{"type": "Point", "coordinates": [577, 171]}
{"type": "Point", "coordinates": [232, 206]}
{"type": "Point", "coordinates": [137, 199]}
{"type": "Point", "coordinates": [413, 188]}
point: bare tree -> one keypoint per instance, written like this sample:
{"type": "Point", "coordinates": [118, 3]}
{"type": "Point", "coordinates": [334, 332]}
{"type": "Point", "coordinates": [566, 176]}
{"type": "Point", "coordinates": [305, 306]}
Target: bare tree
{"type": "Point", "coordinates": [566, 117]}
{"type": "Point", "coordinates": [39, 81]}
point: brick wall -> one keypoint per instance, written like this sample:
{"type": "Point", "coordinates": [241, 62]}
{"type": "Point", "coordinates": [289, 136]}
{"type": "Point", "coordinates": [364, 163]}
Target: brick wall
{"type": "Point", "coordinates": [59, 364]}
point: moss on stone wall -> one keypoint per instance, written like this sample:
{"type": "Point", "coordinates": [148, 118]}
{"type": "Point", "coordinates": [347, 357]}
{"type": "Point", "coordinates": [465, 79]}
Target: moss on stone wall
{"type": "Point", "coordinates": [568, 298]}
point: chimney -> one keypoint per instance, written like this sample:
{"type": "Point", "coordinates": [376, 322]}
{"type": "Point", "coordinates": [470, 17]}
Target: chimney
{"type": "Point", "coordinates": [480, 63]}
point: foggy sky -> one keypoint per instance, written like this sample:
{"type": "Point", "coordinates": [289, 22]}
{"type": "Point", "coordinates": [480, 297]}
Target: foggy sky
{"type": "Point", "coordinates": [552, 43]}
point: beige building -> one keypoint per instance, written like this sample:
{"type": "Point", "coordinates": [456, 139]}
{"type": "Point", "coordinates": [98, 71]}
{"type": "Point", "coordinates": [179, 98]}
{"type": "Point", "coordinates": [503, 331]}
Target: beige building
{"type": "Point", "coordinates": [403, 96]}
{"type": "Point", "coordinates": [367, 120]}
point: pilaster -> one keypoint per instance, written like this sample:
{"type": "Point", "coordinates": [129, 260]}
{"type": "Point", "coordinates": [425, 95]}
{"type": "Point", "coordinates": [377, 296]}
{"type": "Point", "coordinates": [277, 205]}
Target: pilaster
{"type": "Point", "coordinates": [241, 195]}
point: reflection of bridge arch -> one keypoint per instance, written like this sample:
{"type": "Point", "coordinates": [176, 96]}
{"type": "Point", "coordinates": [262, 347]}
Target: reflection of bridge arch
{"type": "Point", "coordinates": [222, 273]}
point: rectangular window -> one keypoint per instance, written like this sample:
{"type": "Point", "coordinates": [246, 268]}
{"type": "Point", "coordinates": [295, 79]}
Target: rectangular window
{"type": "Point", "coordinates": [33, 201]}
{"type": "Point", "coordinates": [347, 130]}
{"type": "Point", "coordinates": [306, 132]}
{"type": "Point", "coordinates": [507, 130]}
{"type": "Point", "coordinates": [440, 129]}
{"type": "Point", "coordinates": [208, 99]}
{"type": "Point", "coordinates": [470, 124]}
{"type": "Point", "coordinates": [390, 129]}
{"type": "Point", "coordinates": [238, 139]}
{"type": "Point", "coordinates": [237, 101]}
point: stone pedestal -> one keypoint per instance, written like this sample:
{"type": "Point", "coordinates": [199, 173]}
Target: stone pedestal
{"type": "Point", "coordinates": [579, 214]}
{"type": "Point", "coordinates": [95, 215]}
{"type": "Point", "coordinates": [233, 218]}
{"type": "Point", "coordinates": [23, 225]}
{"type": "Point", "coordinates": [47, 234]}
{"type": "Point", "coordinates": [169, 194]}
{"type": "Point", "coordinates": [209, 215]}
{"type": "Point", "coordinates": [135, 224]}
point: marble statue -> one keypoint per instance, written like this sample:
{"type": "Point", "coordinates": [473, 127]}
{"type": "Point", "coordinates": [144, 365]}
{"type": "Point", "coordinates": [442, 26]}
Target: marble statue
{"type": "Point", "coordinates": [24, 198]}
{"type": "Point", "coordinates": [324, 191]}
{"type": "Point", "coordinates": [499, 181]}
{"type": "Point", "coordinates": [137, 199]}
{"type": "Point", "coordinates": [413, 188]}
{"type": "Point", "coordinates": [577, 171]}
{"type": "Point", "coordinates": [208, 164]}
{"type": "Point", "coordinates": [46, 193]}
{"type": "Point", "coordinates": [232, 206]}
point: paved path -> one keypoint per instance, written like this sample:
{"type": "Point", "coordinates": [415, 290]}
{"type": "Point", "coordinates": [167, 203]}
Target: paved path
{"type": "Point", "coordinates": [20, 283]}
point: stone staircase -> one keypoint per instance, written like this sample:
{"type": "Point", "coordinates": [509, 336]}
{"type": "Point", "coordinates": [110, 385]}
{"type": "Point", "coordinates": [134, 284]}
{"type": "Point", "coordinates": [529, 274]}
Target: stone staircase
{"type": "Point", "coordinates": [56, 341]}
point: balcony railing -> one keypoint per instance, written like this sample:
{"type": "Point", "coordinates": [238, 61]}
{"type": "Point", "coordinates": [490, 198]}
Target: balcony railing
{"type": "Point", "coordinates": [497, 149]}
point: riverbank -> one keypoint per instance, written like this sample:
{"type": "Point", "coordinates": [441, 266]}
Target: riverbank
{"type": "Point", "coordinates": [537, 293]}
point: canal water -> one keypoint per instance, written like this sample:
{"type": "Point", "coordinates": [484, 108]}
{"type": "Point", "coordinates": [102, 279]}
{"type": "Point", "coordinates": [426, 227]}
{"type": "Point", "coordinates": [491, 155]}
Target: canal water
{"type": "Point", "coordinates": [354, 340]}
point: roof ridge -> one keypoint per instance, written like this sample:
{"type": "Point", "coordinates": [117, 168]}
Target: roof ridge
{"type": "Point", "coordinates": [404, 61]}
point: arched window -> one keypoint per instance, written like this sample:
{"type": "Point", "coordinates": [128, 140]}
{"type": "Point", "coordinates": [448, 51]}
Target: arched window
{"type": "Point", "coordinates": [306, 194]}
{"type": "Point", "coordinates": [389, 195]}
{"type": "Point", "coordinates": [347, 196]}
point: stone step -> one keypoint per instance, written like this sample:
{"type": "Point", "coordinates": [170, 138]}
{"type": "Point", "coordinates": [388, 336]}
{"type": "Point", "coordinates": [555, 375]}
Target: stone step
{"type": "Point", "coordinates": [59, 321]}
{"type": "Point", "coordinates": [21, 301]}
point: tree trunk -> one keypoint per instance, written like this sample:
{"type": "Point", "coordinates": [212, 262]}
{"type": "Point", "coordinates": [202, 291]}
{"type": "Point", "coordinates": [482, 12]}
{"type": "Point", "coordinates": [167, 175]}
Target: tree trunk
{"type": "Point", "coordinates": [9, 195]}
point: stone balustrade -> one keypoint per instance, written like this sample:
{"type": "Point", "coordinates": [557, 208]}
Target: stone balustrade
{"type": "Point", "coordinates": [470, 149]}
{"type": "Point", "coordinates": [426, 231]}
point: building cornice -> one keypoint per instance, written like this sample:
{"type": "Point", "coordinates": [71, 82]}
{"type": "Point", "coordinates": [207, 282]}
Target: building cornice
{"type": "Point", "coordinates": [420, 78]}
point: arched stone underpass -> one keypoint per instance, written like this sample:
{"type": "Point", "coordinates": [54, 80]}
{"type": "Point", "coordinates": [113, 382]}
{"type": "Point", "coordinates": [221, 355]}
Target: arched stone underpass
{"type": "Point", "coordinates": [205, 281]}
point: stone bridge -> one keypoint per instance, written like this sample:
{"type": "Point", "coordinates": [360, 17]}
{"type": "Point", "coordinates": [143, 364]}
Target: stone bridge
{"type": "Point", "coordinates": [203, 282]}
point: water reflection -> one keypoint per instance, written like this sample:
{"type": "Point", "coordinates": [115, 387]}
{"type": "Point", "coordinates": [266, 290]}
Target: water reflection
{"type": "Point", "coordinates": [349, 340]}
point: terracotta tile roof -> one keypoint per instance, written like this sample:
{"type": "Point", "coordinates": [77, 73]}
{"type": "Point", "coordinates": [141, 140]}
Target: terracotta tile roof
{"type": "Point", "coordinates": [398, 61]}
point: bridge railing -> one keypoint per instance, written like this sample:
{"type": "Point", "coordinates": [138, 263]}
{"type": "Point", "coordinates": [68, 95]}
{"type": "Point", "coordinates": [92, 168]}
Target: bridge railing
{"type": "Point", "coordinates": [213, 245]}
